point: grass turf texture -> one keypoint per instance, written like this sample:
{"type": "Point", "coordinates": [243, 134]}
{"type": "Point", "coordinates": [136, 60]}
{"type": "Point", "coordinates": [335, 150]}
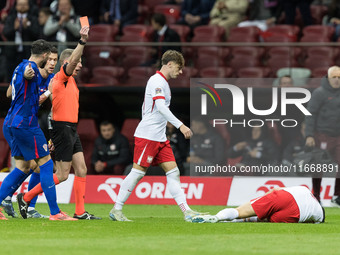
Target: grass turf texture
{"type": "Point", "coordinates": [159, 229]}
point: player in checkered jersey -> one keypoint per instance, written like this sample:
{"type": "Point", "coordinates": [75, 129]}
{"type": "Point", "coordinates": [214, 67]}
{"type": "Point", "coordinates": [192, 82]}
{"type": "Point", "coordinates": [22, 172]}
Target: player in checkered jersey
{"type": "Point", "coordinates": [151, 144]}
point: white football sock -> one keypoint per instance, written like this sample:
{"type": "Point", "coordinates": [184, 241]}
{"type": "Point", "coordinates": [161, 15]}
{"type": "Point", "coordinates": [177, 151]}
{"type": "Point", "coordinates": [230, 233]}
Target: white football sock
{"type": "Point", "coordinates": [227, 214]}
{"type": "Point", "coordinates": [174, 186]}
{"type": "Point", "coordinates": [127, 187]}
{"type": "Point", "coordinates": [8, 198]}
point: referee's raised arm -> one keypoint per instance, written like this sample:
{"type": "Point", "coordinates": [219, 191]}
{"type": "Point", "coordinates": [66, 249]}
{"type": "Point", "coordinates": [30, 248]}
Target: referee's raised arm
{"type": "Point", "coordinates": [78, 51]}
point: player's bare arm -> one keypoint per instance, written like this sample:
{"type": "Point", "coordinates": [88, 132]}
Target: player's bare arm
{"type": "Point", "coordinates": [78, 51]}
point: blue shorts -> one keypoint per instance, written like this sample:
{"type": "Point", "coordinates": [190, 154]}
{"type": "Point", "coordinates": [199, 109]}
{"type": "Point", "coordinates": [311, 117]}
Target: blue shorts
{"type": "Point", "coordinates": [29, 143]}
{"type": "Point", "coordinates": [7, 134]}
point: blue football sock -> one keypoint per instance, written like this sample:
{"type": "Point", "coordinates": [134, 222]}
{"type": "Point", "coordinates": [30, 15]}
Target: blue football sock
{"type": "Point", "coordinates": [11, 183]}
{"type": "Point", "coordinates": [48, 186]}
{"type": "Point", "coordinates": [35, 179]}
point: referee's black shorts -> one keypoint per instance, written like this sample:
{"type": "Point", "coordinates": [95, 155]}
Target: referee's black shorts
{"type": "Point", "coordinates": [65, 139]}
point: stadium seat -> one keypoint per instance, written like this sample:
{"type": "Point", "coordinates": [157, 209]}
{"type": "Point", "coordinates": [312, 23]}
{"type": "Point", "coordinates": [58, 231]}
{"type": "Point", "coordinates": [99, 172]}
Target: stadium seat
{"type": "Point", "coordinates": [289, 30]}
{"type": "Point", "coordinates": [253, 72]}
{"type": "Point", "coordinates": [249, 34]}
{"type": "Point", "coordinates": [171, 12]}
{"type": "Point", "coordinates": [151, 4]}
{"type": "Point", "coordinates": [128, 130]}
{"type": "Point", "coordinates": [208, 51]}
{"type": "Point", "coordinates": [138, 76]}
{"type": "Point", "coordinates": [102, 81]}
{"type": "Point", "coordinates": [275, 63]}
{"type": "Point", "coordinates": [216, 72]}
{"type": "Point", "coordinates": [244, 61]}
{"type": "Point", "coordinates": [143, 13]}
{"type": "Point", "coordinates": [313, 38]}
{"type": "Point", "coordinates": [319, 31]}
{"type": "Point", "coordinates": [102, 52]}
{"type": "Point", "coordinates": [138, 30]}
{"type": "Point", "coordinates": [182, 30]}
{"type": "Point", "coordinates": [323, 51]}
{"type": "Point", "coordinates": [136, 51]}
{"type": "Point", "coordinates": [103, 33]}
{"type": "Point", "coordinates": [95, 61]}
{"type": "Point", "coordinates": [88, 133]}
{"type": "Point", "coordinates": [133, 38]}
{"type": "Point", "coordinates": [284, 51]}
{"type": "Point", "coordinates": [212, 61]}
{"type": "Point", "coordinates": [319, 72]}
{"type": "Point", "coordinates": [282, 38]}
{"type": "Point", "coordinates": [110, 71]}
{"type": "Point", "coordinates": [208, 33]}
{"type": "Point", "coordinates": [132, 61]}
{"type": "Point", "coordinates": [318, 61]}
{"type": "Point", "coordinates": [253, 52]}
{"type": "Point", "coordinates": [318, 12]}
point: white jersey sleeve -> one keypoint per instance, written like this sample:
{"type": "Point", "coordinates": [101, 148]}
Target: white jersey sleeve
{"type": "Point", "coordinates": [154, 116]}
{"type": "Point", "coordinates": [310, 209]}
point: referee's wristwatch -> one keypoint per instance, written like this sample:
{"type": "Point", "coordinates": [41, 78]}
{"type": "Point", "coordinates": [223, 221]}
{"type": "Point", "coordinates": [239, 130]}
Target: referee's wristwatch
{"type": "Point", "coordinates": [81, 42]}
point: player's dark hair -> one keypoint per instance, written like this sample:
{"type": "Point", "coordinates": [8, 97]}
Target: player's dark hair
{"type": "Point", "coordinates": [174, 56]}
{"type": "Point", "coordinates": [45, 10]}
{"type": "Point", "coordinates": [65, 55]}
{"type": "Point", "coordinates": [159, 18]}
{"type": "Point", "coordinates": [40, 47]}
{"type": "Point", "coordinates": [105, 123]}
{"type": "Point", "coordinates": [54, 50]}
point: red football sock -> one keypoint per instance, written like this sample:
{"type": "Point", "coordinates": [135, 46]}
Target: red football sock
{"type": "Point", "coordinates": [37, 190]}
{"type": "Point", "coordinates": [79, 193]}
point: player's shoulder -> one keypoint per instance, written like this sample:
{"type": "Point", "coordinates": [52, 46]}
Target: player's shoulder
{"type": "Point", "coordinates": [156, 80]}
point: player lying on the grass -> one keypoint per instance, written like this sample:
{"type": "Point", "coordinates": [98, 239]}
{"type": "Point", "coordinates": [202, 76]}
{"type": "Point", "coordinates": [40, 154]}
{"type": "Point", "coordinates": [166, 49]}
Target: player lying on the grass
{"type": "Point", "coordinates": [151, 144]}
{"type": "Point", "coordinates": [46, 74]}
{"type": "Point", "coordinates": [290, 205]}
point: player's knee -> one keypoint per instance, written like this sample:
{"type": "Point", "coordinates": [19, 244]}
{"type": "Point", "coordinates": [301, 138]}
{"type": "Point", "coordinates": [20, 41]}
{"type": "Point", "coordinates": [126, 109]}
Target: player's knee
{"type": "Point", "coordinates": [81, 171]}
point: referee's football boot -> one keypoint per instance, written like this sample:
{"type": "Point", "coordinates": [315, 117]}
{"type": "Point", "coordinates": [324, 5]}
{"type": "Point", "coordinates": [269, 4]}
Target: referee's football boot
{"type": "Point", "coordinates": [86, 216]}
{"type": "Point", "coordinates": [8, 207]}
{"type": "Point", "coordinates": [22, 205]}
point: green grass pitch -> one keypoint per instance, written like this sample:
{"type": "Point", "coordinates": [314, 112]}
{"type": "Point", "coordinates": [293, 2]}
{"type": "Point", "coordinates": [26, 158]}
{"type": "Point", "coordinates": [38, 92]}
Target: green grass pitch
{"type": "Point", "coordinates": [159, 229]}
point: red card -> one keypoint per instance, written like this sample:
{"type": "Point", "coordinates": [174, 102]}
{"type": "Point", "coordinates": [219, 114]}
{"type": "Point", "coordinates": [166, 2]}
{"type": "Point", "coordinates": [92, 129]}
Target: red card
{"type": "Point", "coordinates": [84, 21]}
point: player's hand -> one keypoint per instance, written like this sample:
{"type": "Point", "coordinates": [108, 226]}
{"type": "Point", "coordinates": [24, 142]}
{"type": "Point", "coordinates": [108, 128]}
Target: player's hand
{"type": "Point", "coordinates": [310, 142]}
{"type": "Point", "coordinates": [186, 131]}
{"type": "Point", "coordinates": [29, 72]}
{"type": "Point", "coordinates": [51, 145]}
{"type": "Point", "coordinates": [84, 33]}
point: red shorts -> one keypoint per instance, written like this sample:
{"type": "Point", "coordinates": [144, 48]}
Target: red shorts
{"type": "Point", "coordinates": [277, 206]}
{"type": "Point", "coordinates": [149, 152]}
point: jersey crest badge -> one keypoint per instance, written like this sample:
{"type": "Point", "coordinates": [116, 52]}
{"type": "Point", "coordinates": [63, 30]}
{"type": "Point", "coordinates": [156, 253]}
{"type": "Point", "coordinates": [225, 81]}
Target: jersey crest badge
{"type": "Point", "coordinates": [158, 90]}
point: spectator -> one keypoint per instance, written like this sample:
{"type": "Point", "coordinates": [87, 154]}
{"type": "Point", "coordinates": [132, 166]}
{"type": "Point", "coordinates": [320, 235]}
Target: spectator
{"type": "Point", "coordinates": [257, 150]}
{"type": "Point", "coordinates": [286, 81]}
{"type": "Point", "coordinates": [333, 17]}
{"type": "Point", "coordinates": [323, 126]}
{"type": "Point", "coordinates": [119, 12]}
{"type": "Point", "coordinates": [228, 13]}
{"type": "Point", "coordinates": [206, 146]}
{"type": "Point", "coordinates": [111, 150]}
{"type": "Point", "coordinates": [21, 25]}
{"type": "Point", "coordinates": [196, 12]}
{"type": "Point", "coordinates": [44, 14]}
{"type": "Point", "coordinates": [164, 34]}
{"type": "Point", "coordinates": [263, 14]}
{"type": "Point", "coordinates": [294, 147]}
{"type": "Point", "coordinates": [178, 144]}
{"type": "Point", "coordinates": [5, 9]}
{"type": "Point", "coordinates": [290, 6]}
{"type": "Point", "coordinates": [63, 26]}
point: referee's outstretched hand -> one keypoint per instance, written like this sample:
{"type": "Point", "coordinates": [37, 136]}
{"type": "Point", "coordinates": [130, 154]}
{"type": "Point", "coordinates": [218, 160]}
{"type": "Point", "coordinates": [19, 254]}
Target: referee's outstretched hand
{"type": "Point", "coordinates": [84, 33]}
{"type": "Point", "coordinates": [186, 131]}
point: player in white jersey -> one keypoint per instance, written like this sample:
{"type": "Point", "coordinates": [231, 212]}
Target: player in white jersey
{"type": "Point", "coordinates": [290, 205]}
{"type": "Point", "coordinates": [151, 145]}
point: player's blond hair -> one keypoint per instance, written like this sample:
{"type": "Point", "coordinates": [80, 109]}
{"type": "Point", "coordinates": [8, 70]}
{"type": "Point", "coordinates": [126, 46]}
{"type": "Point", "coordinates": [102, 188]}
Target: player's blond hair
{"type": "Point", "coordinates": [65, 55]}
{"type": "Point", "coordinates": [174, 56]}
